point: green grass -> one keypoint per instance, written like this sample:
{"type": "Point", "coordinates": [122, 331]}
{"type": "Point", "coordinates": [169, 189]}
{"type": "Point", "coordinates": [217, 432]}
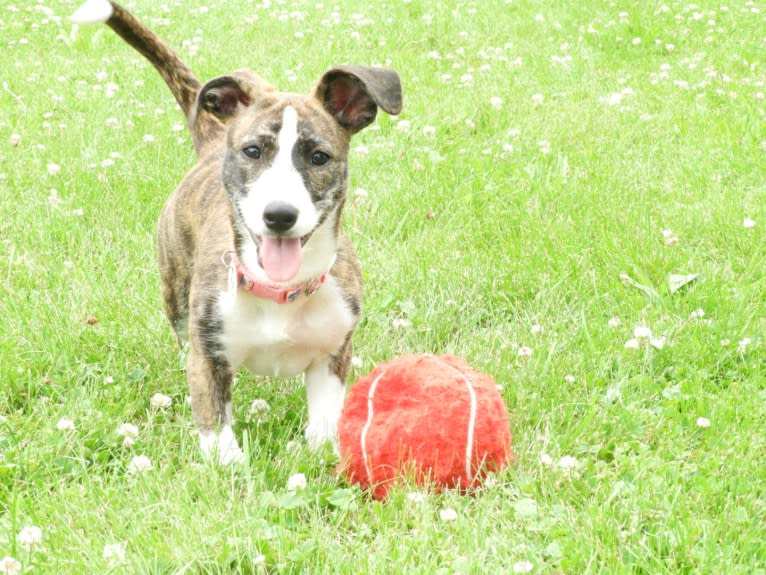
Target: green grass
{"type": "Point", "coordinates": [508, 226]}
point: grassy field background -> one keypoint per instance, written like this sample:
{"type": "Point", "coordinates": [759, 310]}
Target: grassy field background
{"type": "Point", "coordinates": [555, 164]}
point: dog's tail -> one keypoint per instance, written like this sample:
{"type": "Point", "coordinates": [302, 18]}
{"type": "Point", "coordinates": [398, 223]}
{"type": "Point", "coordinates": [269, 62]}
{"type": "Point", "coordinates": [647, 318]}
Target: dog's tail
{"type": "Point", "coordinates": [177, 75]}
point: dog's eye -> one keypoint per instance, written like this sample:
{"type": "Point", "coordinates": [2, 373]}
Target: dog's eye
{"type": "Point", "coordinates": [319, 158]}
{"type": "Point", "coordinates": [253, 152]}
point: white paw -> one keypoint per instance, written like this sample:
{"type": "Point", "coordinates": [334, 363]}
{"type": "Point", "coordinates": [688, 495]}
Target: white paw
{"type": "Point", "coordinates": [222, 445]}
{"type": "Point", "coordinates": [319, 433]}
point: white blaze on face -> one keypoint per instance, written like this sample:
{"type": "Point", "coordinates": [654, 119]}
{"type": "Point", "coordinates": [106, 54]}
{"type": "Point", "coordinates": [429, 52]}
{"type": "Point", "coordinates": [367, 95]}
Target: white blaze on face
{"type": "Point", "coordinates": [281, 255]}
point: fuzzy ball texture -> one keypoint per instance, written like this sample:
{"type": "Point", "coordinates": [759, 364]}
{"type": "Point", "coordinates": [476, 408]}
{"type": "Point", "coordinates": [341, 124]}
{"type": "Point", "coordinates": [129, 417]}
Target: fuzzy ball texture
{"type": "Point", "coordinates": [429, 418]}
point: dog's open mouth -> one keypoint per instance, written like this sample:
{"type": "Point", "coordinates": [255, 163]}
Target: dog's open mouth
{"type": "Point", "coordinates": [280, 257]}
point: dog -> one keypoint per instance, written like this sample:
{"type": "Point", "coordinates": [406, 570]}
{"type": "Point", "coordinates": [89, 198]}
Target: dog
{"type": "Point", "coordinates": [256, 270]}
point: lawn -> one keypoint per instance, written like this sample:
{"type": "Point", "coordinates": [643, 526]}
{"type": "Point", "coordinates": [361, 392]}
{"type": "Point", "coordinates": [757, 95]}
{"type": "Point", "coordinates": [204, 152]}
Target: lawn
{"type": "Point", "coordinates": [573, 200]}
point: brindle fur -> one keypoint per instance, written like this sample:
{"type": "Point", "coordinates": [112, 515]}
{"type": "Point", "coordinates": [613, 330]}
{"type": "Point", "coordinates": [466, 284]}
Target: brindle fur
{"type": "Point", "coordinates": [199, 224]}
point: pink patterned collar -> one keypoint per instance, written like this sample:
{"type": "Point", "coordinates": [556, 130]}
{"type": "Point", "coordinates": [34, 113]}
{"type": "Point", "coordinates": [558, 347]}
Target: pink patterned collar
{"type": "Point", "coordinates": [240, 276]}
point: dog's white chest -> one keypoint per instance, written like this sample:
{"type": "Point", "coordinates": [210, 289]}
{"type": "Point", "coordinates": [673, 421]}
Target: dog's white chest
{"type": "Point", "coordinates": [283, 339]}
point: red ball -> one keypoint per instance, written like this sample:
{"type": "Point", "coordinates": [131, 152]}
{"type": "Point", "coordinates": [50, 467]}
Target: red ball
{"type": "Point", "coordinates": [430, 418]}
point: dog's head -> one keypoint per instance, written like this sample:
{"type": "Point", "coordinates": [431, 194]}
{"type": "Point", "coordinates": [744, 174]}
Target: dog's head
{"type": "Point", "coordinates": [285, 167]}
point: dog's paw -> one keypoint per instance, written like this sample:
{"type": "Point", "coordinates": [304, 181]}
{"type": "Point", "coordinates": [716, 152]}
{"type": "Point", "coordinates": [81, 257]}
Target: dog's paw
{"type": "Point", "coordinates": [222, 446]}
{"type": "Point", "coordinates": [320, 433]}
{"type": "Point", "coordinates": [231, 455]}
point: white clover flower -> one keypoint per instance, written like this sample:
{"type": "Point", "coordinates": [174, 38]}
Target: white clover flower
{"type": "Point", "coordinates": [611, 99]}
{"type": "Point", "coordinates": [114, 553]}
{"type": "Point", "coordinates": [522, 567]}
{"type": "Point", "coordinates": [613, 394]}
{"type": "Point", "coordinates": [293, 446]}
{"type": "Point", "coordinates": [403, 125]}
{"type": "Point", "coordinates": [296, 482]}
{"type": "Point", "coordinates": [632, 343]}
{"type": "Point", "coordinates": [429, 130]}
{"type": "Point", "coordinates": [670, 238]}
{"type": "Point", "coordinates": [447, 514]}
{"type": "Point", "coordinates": [703, 422]}
{"type": "Point", "coordinates": [65, 424]}
{"type": "Point", "coordinates": [613, 322]}
{"type": "Point", "coordinates": [416, 496]}
{"type": "Point", "coordinates": [748, 223]}
{"type": "Point", "coordinates": [524, 351]}
{"type": "Point", "coordinates": [140, 464]}
{"type": "Point", "coordinates": [53, 197]}
{"type": "Point", "coordinates": [9, 566]}
{"type": "Point", "coordinates": [546, 459]}
{"type": "Point", "coordinates": [538, 99]}
{"type": "Point", "coordinates": [129, 432]}
{"type": "Point", "coordinates": [149, 138]}
{"type": "Point", "coordinates": [642, 331]}
{"type": "Point", "coordinates": [53, 169]}
{"type": "Point", "coordinates": [160, 401]}
{"type": "Point", "coordinates": [657, 342]}
{"type": "Point", "coordinates": [400, 323]}
{"type": "Point", "coordinates": [259, 409]}
{"type": "Point", "coordinates": [357, 361]}
{"type": "Point", "coordinates": [568, 464]}
{"type": "Point", "coordinates": [496, 102]}
{"type": "Point", "coordinates": [570, 378]}
{"type": "Point", "coordinates": [111, 89]}
{"type": "Point", "coordinates": [698, 313]}
{"type": "Point", "coordinates": [14, 140]}
{"type": "Point", "coordinates": [30, 536]}
{"type": "Point", "coordinates": [743, 343]}
{"type": "Point", "coordinates": [536, 328]}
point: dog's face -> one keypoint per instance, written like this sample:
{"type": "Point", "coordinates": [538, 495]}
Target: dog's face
{"type": "Point", "coordinates": [285, 172]}
{"type": "Point", "coordinates": [285, 164]}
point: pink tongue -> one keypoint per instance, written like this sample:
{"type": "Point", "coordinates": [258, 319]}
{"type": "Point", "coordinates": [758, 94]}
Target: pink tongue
{"type": "Point", "coordinates": [281, 258]}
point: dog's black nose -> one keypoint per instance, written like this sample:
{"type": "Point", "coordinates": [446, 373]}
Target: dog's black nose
{"type": "Point", "coordinates": [279, 216]}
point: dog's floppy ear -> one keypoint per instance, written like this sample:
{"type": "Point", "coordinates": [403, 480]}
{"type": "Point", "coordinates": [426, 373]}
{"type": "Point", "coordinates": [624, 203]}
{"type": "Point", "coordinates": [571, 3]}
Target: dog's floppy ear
{"type": "Point", "coordinates": [226, 96]}
{"type": "Point", "coordinates": [352, 94]}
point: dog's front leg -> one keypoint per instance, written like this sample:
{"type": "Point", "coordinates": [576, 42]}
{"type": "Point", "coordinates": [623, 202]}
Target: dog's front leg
{"type": "Point", "coordinates": [209, 380]}
{"type": "Point", "coordinates": [325, 389]}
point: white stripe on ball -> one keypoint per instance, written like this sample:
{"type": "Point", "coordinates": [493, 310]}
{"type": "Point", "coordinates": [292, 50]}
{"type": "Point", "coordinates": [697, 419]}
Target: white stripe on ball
{"type": "Point", "coordinates": [367, 425]}
{"type": "Point", "coordinates": [471, 420]}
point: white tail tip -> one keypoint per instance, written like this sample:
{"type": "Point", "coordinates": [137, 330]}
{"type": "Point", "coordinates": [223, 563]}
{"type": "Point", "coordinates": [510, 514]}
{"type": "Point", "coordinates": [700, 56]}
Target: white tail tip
{"type": "Point", "coordinates": [93, 12]}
